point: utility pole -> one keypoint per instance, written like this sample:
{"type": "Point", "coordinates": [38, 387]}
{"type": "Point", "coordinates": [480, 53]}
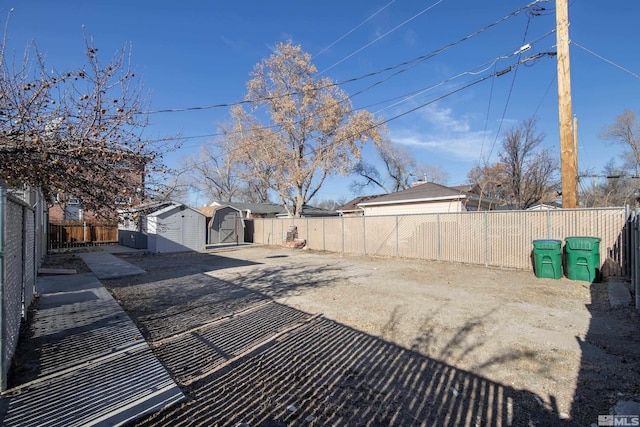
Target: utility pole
{"type": "Point", "coordinates": [568, 151]}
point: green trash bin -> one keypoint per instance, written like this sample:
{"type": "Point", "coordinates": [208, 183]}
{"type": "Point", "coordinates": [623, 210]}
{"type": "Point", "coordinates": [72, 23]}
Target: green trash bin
{"type": "Point", "coordinates": [583, 258]}
{"type": "Point", "coordinates": [547, 255]}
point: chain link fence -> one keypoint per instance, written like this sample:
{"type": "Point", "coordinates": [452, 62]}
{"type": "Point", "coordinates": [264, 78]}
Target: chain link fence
{"type": "Point", "coordinates": [21, 249]}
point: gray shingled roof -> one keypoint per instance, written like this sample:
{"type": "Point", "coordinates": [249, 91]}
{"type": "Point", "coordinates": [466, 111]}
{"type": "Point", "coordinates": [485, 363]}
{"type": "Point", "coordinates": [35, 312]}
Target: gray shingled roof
{"type": "Point", "coordinates": [353, 204]}
{"type": "Point", "coordinates": [257, 208]}
{"type": "Point", "coordinates": [420, 192]}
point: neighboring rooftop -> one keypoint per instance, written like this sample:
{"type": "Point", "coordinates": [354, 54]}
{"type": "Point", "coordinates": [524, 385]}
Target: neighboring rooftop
{"type": "Point", "coordinates": [420, 192]}
{"type": "Point", "coordinates": [352, 206]}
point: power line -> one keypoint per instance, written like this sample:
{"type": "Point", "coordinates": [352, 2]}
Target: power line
{"type": "Point", "coordinates": [513, 80]}
{"type": "Point", "coordinates": [354, 29]}
{"type": "Point", "coordinates": [407, 96]}
{"type": "Point", "coordinates": [382, 36]}
{"type": "Point", "coordinates": [473, 83]}
{"type": "Point", "coordinates": [606, 60]}
{"type": "Point", "coordinates": [481, 79]}
{"type": "Point", "coordinates": [480, 69]}
{"type": "Point", "coordinates": [415, 60]}
{"type": "Point", "coordinates": [553, 79]}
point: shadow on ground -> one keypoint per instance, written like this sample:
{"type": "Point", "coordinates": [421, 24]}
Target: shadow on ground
{"type": "Point", "coordinates": [325, 373]}
{"type": "Point", "coordinates": [610, 365]}
{"type": "Point", "coordinates": [175, 296]}
{"type": "Point", "coordinates": [243, 359]}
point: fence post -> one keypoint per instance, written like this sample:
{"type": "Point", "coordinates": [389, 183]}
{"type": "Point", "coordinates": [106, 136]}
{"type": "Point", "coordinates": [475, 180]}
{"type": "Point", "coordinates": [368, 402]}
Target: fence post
{"type": "Point", "coordinates": [397, 236]}
{"type": "Point", "coordinates": [324, 248]}
{"type": "Point", "coordinates": [486, 239]}
{"type": "Point", "coordinates": [438, 238]}
{"type": "Point", "coordinates": [548, 223]}
{"type": "Point", "coordinates": [364, 239]}
{"type": "Point", "coordinates": [342, 239]}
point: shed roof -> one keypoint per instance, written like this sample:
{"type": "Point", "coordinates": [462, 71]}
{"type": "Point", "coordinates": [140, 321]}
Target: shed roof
{"type": "Point", "coordinates": [256, 208]}
{"type": "Point", "coordinates": [172, 206]}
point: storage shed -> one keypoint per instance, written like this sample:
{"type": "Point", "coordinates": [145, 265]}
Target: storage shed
{"type": "Point", "coordinates": [166, 227]}
{"type": "Point", "coordinates": [176, 228]}
{"type": "Point", "coordinates": [226, 226]}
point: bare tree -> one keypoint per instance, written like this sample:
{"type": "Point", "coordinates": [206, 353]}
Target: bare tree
{"type": "Point", "coordinates": [400, 165]}
{"type": "Point", "coordinates": [367, 175]}
{"type": "Point", "coordinates": [79, 132]}
{"type": "Point", "coordinates": [313, 131]}
{"type": "Point", "coordinates": [211, 173]}
{"type": "Point", "coordinates": [217, 176]}
{"type": "Point", "coordinates": [400, 169]}
{"type": "Point", "coordinates": [617, 188]}
{"type": "Point", "coordinates": [525, 174]}
{"type": "Point", "coordinates": [431, 173]}
{"type": "Point", "coordinates": [176, 188]}
{"type": "Point", "coordinates": [330, 204]}
{"type": "Point", "coordinates": [626, 131]}
{"type": "Point", "coordinates": [491, 180]}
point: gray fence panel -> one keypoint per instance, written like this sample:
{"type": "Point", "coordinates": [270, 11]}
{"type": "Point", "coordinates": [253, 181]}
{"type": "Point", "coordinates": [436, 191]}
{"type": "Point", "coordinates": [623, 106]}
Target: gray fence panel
{"type": "Point", "coordinates": [497, 238]}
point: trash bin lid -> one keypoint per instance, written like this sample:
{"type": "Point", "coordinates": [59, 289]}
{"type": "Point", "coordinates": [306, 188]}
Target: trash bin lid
{"type": "Point", "coordinates": [547, 244]}
{"type": "Point", "coordinates": [582, 243]}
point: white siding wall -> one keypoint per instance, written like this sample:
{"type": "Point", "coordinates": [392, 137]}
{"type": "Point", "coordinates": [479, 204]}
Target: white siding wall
{"type": "Point", "coordinates": [176, 230]}
{"type": "Point", "coordinates": [414, 208]}
{"type": "Point", "coordinates": [193, 230]}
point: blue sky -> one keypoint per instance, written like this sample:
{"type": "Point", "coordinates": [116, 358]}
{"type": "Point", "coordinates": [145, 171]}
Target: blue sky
{"type": "Point", "coordinates": [200, 53]}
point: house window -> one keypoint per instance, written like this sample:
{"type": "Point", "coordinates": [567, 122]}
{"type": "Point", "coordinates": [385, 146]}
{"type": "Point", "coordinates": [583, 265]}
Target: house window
{"type": "Point", "coordinates": [123, 200]}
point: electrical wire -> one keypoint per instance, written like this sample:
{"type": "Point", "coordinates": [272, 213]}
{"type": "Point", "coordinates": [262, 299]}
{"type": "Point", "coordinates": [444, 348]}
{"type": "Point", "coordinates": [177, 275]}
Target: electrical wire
{"type": "Point", "coordinates": [486, 119]}
{"type": "Point", "coordinates": [417, 59]}
{"type": "Point", "coordinates": [407, 98]}
{"type": "Point", "coordinates": [473, 83]}
{"type": "Point", "coordinates": [553, 79]}
{"type": "Point", "coordinates": [606, 60]}
{"type": "Point", "coordinates": [481, 69]}
{"type": "Point", "coordinates": [353, 29]}
{"type": "Point", "coordinates": [513, 80]}
{"type": "Point", "coordinates": [428, 8]}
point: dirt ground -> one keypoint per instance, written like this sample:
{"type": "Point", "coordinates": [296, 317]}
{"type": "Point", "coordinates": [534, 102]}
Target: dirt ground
{"type": "Point", "coordinates": [274, 336]}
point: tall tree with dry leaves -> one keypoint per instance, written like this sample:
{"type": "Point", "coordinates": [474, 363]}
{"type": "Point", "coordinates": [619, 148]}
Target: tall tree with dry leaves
{"type": "Point", "coordinates": [78, 132]}
{"type": "Point", "coordinates": [300, 128]}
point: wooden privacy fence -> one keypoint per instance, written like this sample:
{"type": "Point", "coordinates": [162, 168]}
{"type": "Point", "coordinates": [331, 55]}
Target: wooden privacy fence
{"type": "Point", "coordinates": [494, 238]}
{"type": "Point", "coordinates": [66, 234]}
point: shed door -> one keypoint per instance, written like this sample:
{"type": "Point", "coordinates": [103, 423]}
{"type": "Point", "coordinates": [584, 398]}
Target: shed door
{"type": "Point", "coordinates": [228, 227]}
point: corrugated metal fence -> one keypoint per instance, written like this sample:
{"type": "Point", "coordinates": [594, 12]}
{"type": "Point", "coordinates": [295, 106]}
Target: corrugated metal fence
{"type": "Point", "coordinates": [496, 238]}
{"type": "Point", "coordinates": [19, 260]}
